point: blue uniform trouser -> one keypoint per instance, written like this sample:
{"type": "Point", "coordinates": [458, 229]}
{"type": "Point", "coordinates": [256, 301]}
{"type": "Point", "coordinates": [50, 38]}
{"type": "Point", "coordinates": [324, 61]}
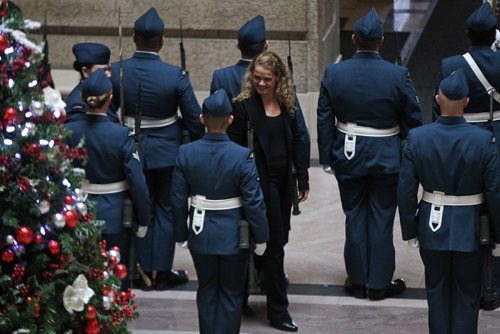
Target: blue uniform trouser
{"type": "Point", "coordinates": [453, 287]}
{"type": "Point", "coordinates": [221, 283]}
{"type": "Point", "coordinates": [369, 203]}
{"type": "Point", "coordinates": [156, 250]}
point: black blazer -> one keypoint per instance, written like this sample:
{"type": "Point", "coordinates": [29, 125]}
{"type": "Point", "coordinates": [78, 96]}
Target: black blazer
{"type": "Point", "coordinates": [252, 110]}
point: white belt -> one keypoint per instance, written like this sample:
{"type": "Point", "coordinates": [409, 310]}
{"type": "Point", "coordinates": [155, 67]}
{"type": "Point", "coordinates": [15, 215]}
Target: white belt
{"type": "Point", "coordinates": [353, 129]}
{"type": "Point", "coordinates": [477, 117]}
{"type": "Point", "coordinates": [107, 188]}
{"type": "Point", "coordinates": [151, 123]}
{"type": "Point", "coordinates": [201, 203]}
{"type": "Point", "coordinates": [439, 198]}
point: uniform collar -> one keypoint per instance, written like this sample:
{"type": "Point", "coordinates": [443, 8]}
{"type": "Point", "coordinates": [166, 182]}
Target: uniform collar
{"type": "Point", "coordinates": [451, 120]}
{"type": "Point", "coordinates": [367, 54]}
{"type": "Point", "coordinates": [216, 136]}
{"type": "Point", "coordinates": [479, 48]}
{"type": "Point", "coordinates": [146, 55]}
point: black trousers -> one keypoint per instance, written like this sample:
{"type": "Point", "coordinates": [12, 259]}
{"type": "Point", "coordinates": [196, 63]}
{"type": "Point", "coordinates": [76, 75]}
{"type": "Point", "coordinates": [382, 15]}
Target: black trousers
{"type": "Point", "coordinates": [276, 198]}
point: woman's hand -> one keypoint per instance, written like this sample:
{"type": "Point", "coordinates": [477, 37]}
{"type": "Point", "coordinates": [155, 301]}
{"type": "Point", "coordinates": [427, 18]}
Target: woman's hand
{"type": "Point", "coordinates": [303, 195]}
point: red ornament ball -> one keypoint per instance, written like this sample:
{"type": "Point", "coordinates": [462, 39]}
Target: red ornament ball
{"type": "Point", "coordinates": [8, 256]}
{"type": "Point", "coordinates": [10, 113]}
{"type": "Point", "coordinates": [4, 8]}
{"type": "Point", "coordinates": [54, 247]}
{"type": "Point", "coordinates": [68, 200]}
{"type": "Point", "coordinates": [113, 260]}
{"type": "Point", "coordinates": [4, 43]}
{"type": "Point", "coordinates": [121, 271]}
{"type": "Point", "coordinates": [38, 239]}
{"type": "Point", "coordinates": [91, 312]}
{"type": "Point", "coordinates": [116, 248]}
{"type": "Point", "coordinates": [71, 218]}
{"type": "Point", "coordinates": [24, 235]}
{"type": "Point", "coordinates": [92, 327]}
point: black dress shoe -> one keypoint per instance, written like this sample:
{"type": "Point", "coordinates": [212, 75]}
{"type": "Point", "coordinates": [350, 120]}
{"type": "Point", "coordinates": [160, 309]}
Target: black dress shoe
{"type": "Point", "coordinates": [286, 325]}
{"type": "Point", "coordinates": [396, 287]}
{"type": "Point", "coordinates": [169, 279]}
{"type": "Point", "coordinates": [490, 301]}
{"type": "Point", "coordinates": [355, 290]}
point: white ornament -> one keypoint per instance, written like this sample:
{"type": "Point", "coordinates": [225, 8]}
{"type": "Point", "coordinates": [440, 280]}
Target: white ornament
{"type": "Point", "coordinates": [59, 221]}
{"type": "Point", "coordinates": [81, 195]}
{"type": "Point", "coordinates": [114, 253]}
{"type": "Point", "coordinates": [37, 108]}
{"type": "Point", "coordinates": [82, 208]}
{"type": "Point", "coordinates": [105, 274]}
{"type": "Point", "coordinates": [106, 303]}
{"type": "Point", "coordinates": [53, 100]}
{"type": "Point", "coordinates": [10, 240]}
{"type": "Point", "coordinates": [44, 206]}
{"type": "Point", "coordinates": [78, 294]}
{"type": "Point", "coordinates": [29, 129]}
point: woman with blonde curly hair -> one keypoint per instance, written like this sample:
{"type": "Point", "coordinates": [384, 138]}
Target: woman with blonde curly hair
{"type": "Point", "coordinates": [266, 108]}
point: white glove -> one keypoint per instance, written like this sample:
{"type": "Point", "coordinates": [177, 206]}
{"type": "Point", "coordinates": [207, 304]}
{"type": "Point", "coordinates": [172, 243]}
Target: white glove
{"type": "Point", "coordinates": [327, 169]}
{"type": "Point", "coordinates": [496, 251]}
{"type": "Point", "coordinates": [141, 231]}
{"type": "Point", "coordinates": [183, 244]}
{"type": "Point", "coordinates": [260, 249]}
{"type": "Point", "coordinates": [413, 243]}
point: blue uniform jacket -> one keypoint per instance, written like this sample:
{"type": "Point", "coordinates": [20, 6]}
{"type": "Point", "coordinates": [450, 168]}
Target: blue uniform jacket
{"type": "Point", "coordinates": [111, 149]}
{"type": "Point", "coordinates": [75, 107]}
{"type": "Point", "coordinates": [489, 63]}
{"type": "Point", "coordinates": [231, 78]}
{"type": "Point", "coordinates": [456, 158]}
{"type": "Point", "coordinates": [372, 92]}
{"type": "Point", "coordinates": [217, 168]}
{"type": "Point", "coordinates": [164, 89]}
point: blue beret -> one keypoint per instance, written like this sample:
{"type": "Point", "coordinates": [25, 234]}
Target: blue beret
{"type": "Point", "coordinates": [149, 24]}
{"type": "Point", "coordinates": [253, 31]}
{"type": "Point", "coordinates": [91, 53]}
{"type": "Point", "coordinates": [217, 104]}
{"type": "Point", "coordinates": [482, 19]}
{"type": "Point", "coordinates": [96, 84]}
{"type": "Point", "coordinates": [455, 86]}
{"type": "Point", "coordinates": [369, 27]}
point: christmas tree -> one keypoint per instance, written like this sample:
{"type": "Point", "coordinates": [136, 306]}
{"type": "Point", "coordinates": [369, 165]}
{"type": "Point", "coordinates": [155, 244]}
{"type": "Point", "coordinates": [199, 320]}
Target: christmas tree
{"type": "Point", "coordinates": [55, 273]}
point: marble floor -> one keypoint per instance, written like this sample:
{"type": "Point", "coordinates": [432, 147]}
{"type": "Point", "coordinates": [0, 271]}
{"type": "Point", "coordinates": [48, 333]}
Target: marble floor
{"type": "Point", "coordinates": [315, 266]}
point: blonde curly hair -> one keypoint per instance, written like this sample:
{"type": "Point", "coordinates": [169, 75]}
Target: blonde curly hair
{"type": "Point", "coordinates": [284, 87]}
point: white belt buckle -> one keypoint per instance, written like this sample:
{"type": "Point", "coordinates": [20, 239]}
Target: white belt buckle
{"type": "Point", "coordinates": [436, 216]}
{"type": "Point", "coordinates": [198, 218]}
{"type": "Point", "coordinates": [350, 141]}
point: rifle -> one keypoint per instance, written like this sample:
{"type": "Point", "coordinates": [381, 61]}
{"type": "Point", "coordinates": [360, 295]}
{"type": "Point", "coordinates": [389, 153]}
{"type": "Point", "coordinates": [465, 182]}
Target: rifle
{"type": "Point", "coordinates": [252, 276]}
{"type": "Point", "coordinates": [181, 47]}
{"type": "Point", "coordinates": [121, 115]}
{"type": "Point", "coordinates": [490, 300]}
{"type": "Point", "coordinates": [295, 192]}
{"type": "Point", "coordinates": [185, 135]}
{"type": "Point", "coordinates": [398, 51]}
{"type": "Point", "coordinates": [137, 137]}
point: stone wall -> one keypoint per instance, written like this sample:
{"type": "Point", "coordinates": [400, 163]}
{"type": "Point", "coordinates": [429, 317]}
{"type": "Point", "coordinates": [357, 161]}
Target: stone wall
{"type": "Point", "coordinates": [209, 29]}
